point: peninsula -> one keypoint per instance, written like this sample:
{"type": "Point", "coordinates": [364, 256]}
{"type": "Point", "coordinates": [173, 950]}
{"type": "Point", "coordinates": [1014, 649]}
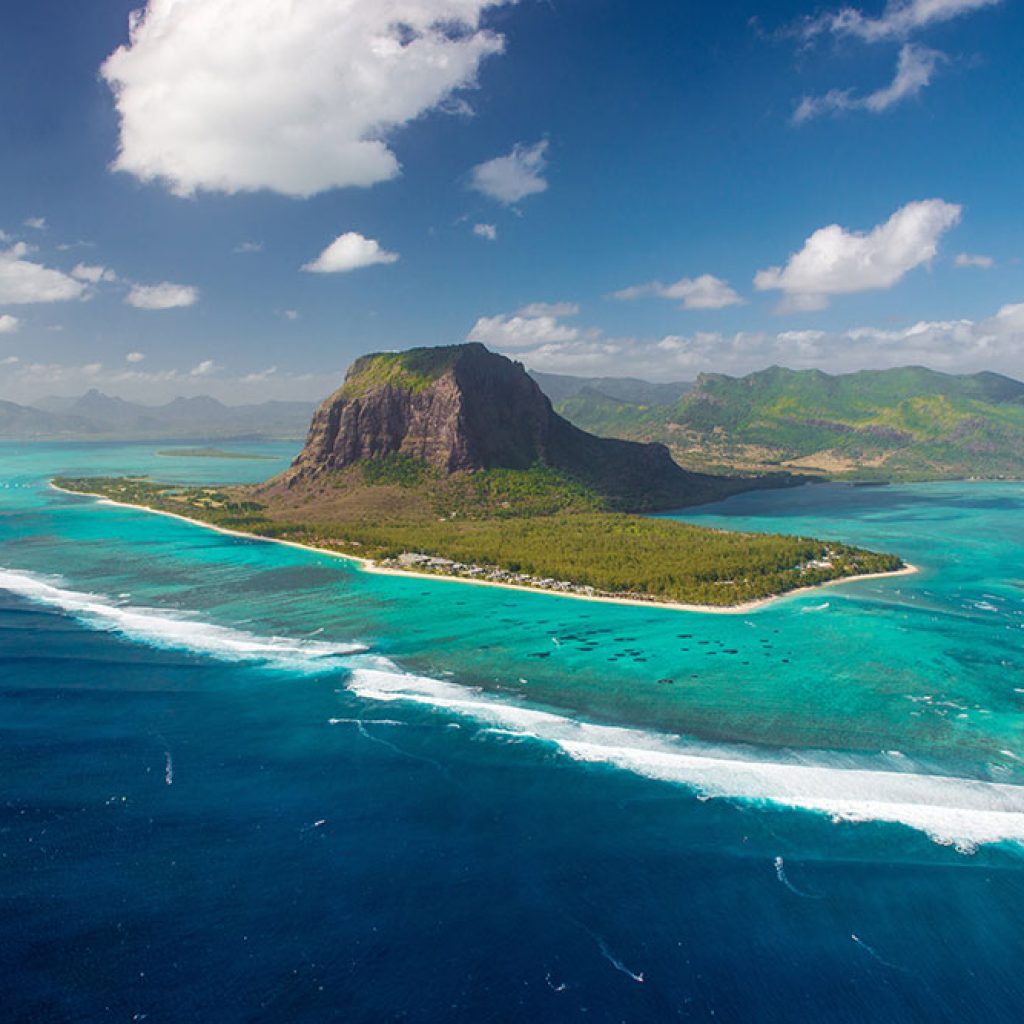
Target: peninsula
{"type": "Point", "coordinates": [451, 461]}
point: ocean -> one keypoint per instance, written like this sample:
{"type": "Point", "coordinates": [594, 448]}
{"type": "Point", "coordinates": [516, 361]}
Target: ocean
{"type": "Point", "coordinates": [241, 781]}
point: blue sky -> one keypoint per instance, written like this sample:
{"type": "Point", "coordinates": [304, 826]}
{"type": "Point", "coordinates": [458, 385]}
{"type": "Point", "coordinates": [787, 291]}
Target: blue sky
{"type": "Point", "coordinates": [250, 193]}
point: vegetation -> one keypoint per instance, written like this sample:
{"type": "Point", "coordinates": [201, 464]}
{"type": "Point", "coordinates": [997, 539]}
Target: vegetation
{"type": "Point", "coordinates": [902, 424]}
{"type": "Point", "coordinates": [500, 520]}
{"type": "Point", "coordinates": [414, 370]}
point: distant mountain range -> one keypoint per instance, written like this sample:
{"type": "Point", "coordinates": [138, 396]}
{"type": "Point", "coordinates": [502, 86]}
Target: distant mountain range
{"type": "Point", "coordinates": [900, 424]}
{"type": "Point", "coordinates": [96, 416]}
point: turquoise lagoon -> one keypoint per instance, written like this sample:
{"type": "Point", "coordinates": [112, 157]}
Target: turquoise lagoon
{"type": "Point", "coordinates": [558, 806]}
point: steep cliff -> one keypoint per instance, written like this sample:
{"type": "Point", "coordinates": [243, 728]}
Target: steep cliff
{"type": "Point", "coordinates": [462, 409]}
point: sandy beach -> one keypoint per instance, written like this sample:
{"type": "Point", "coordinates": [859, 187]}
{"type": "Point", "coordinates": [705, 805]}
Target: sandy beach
{"type": "Point", "coordinates": [370, 566]}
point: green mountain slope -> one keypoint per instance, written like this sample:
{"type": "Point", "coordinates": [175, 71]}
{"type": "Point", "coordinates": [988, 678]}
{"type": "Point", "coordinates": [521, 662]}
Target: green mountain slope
{"type": "Point", "coordinates": [907, 423]}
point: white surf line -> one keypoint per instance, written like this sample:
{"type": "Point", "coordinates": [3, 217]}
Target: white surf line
{"type": "Point", "coordinates": [780, 873]}
{"type": "Point", "coordinates": [169, 630]}
{"type": "Point", "coordinates": [951, 810]}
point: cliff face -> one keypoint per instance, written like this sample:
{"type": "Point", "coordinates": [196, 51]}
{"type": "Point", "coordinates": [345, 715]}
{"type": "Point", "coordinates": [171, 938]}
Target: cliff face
{"type": "Point", "coordinates": [463, 408]}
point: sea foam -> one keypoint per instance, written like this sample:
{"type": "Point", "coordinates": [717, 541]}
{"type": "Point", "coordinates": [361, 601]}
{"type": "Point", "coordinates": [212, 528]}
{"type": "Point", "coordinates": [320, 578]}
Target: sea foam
{"type": "Point", "coordinates": [964, 813]}
{"type": "Point", "coordinates": [168, 630]}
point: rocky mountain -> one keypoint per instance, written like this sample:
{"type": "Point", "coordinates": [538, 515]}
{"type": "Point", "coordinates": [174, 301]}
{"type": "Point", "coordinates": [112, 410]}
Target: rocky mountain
{"type": "Point", "coordinates": [96, 416]}
{"type": "Point", "coordinates": [905, 423]}
{"type": "Point", "coordinates": [463, 409]}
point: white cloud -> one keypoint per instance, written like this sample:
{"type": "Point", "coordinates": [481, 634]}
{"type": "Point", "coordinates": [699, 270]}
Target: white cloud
{"type": "Point", "coordinates": [898, 19]}
{"type": "Point", "coordinates": [515, 176]}
{"type": "Point", "coordinates": [241, 95]}
{"type": "Point", "coordinates": [23, 282]}
{"type": "Point", "coordinates": [914, 72]}
{"type": "Point", "coordinates": [350, 251]}
{"type": "Point", "coordinates": [9, 361]}
{"type": "Point", "coordinates": [93, 274]}
{"type": "Point", "coordinates": [204, 369]}
{"type": "Point", "coordinates": [518, 331]}
{"type": "Point", "coordinates": [834, 261]}
{"type": "Point", "coordinates": [703, 292]}
{"type": "Point", "coordinates": [291, 314]}
{"type": "Point", "coordinates": [162, 296]}
{"type": "Point", "coordinates": [9, 324]}
{"type": "Point", "coordinates": [248, 247]}
{"type": "Point", "coordinates": [260, 375]}
{"type": "Point", "coordinates": [36, 223]}
{"type": "Point", "coordinates": [966, 259]}
{"type": "Point", "coordinates": [488, 231]}
{"type": "Point", "coordinates": [549, 309]}
{"type": "Point", "coordinates": [135, 357]}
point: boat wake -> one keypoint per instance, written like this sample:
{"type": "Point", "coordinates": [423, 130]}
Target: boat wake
{"type": "Point", "coordinates": [960, 812]}
{"type": "Point", "coordinates": [168, 630]}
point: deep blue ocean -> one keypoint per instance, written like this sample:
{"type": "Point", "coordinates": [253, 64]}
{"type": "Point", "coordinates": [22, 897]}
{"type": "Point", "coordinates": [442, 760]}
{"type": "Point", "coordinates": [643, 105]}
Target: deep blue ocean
{"type": "Point", "coordinates": [245, 782]}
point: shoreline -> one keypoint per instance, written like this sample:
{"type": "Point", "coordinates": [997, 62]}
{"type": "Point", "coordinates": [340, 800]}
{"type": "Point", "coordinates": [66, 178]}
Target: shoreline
{"type": "Point", "coordinates": [370, 566]}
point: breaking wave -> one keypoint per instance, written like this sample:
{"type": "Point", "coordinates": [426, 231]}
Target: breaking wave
{"type": "Point", "coordinates": [964, 813]}
{"type": "Point", "coordinates": [168, 630]}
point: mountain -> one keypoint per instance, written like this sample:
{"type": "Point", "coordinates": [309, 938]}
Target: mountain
{"type": "Point", "coordinates": [560, 388]}
{"type": "Point", "coordinates": [906, 423]}
{"type": "Point", "coordinates": [23, 423]}
{"type": "Point", "coordinates": [462, 409]}
{"type": "Point", "coordinates": [96, 416]}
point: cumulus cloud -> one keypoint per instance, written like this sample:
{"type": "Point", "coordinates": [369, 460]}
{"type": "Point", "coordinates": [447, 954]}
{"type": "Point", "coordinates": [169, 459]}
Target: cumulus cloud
{"type": "Point", "coordinates": [204, 369]}
{"type": "Point", "coordinates": [209, 98]}
{"type": "Point", "coordinates": [9, 324]}
{"type": "Point", "coordinates": [835, 261]}
{"type": "Point", "coordinates": [350, 251]}
{"type": "Point", "coordinates": [248, 247]}
{"type": "Point", "coordinates": [162, 296]}
{"type": "Point", "coordinates": [488, 231]}
{"type": "Point", "coordinates": [93, 274]}
{"type": "Point", "coordinates": [898, 19]}
{"type": "Point", "coordinates": [966, 259]}
{"type": "Point", "coordinates": [135, 357]}
{"type": "Point", "coordinates": [22, 281]}
{"type": "Point", "coordinates": [291, 314]}
{"type": "Point", "coordinates": [36, 223]}
{"type": "Point", "coordinates": [914, 72]}
{"type": "Point", "coordinates": [703, 292]}
{"type": "Point", "coordinates": [515, 176]}
{"type": "Point", "coordinates": [525, 329]}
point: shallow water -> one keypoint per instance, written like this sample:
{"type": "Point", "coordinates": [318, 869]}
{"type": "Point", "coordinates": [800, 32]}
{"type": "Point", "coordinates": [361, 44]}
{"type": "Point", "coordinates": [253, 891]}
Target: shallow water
{"type": "Point", "coordinates": [246, 781]}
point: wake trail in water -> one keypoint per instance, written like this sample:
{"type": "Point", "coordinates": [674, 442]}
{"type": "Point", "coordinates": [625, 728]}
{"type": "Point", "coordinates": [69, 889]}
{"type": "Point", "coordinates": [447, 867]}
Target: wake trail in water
{"type": "Point", "coordinates": [170, 631]}
{"type": "Point", "coordinates": [638, 977]}
{"type": "Point", "coordinates": [874, 954]}
{"type": "Point", "coordinates": [367, 735]}
{"type": "Point", "coordinates": [780, 873]}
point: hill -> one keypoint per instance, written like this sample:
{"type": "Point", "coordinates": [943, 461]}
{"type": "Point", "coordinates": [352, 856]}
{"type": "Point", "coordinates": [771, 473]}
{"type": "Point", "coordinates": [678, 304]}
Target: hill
{"type": "Point", "coordinates": [95, 416]}
{"type": "Point", "coordinates": [900, 424]}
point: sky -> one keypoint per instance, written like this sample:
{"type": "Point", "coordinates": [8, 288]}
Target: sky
{"type": "Point", "coordinates": [238, 197]}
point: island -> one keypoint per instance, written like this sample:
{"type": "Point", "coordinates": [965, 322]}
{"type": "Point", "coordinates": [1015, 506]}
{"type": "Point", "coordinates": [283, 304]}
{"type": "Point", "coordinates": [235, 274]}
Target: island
{"type": "Point", "coordinates": [213, 453]}
{"type": "Point", "coordinates": [451, 462]}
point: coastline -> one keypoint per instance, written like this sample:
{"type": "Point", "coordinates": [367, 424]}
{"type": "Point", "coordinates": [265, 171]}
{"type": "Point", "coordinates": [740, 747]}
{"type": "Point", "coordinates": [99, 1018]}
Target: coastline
{"type": "Point", "coordinates": [370, 566]}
